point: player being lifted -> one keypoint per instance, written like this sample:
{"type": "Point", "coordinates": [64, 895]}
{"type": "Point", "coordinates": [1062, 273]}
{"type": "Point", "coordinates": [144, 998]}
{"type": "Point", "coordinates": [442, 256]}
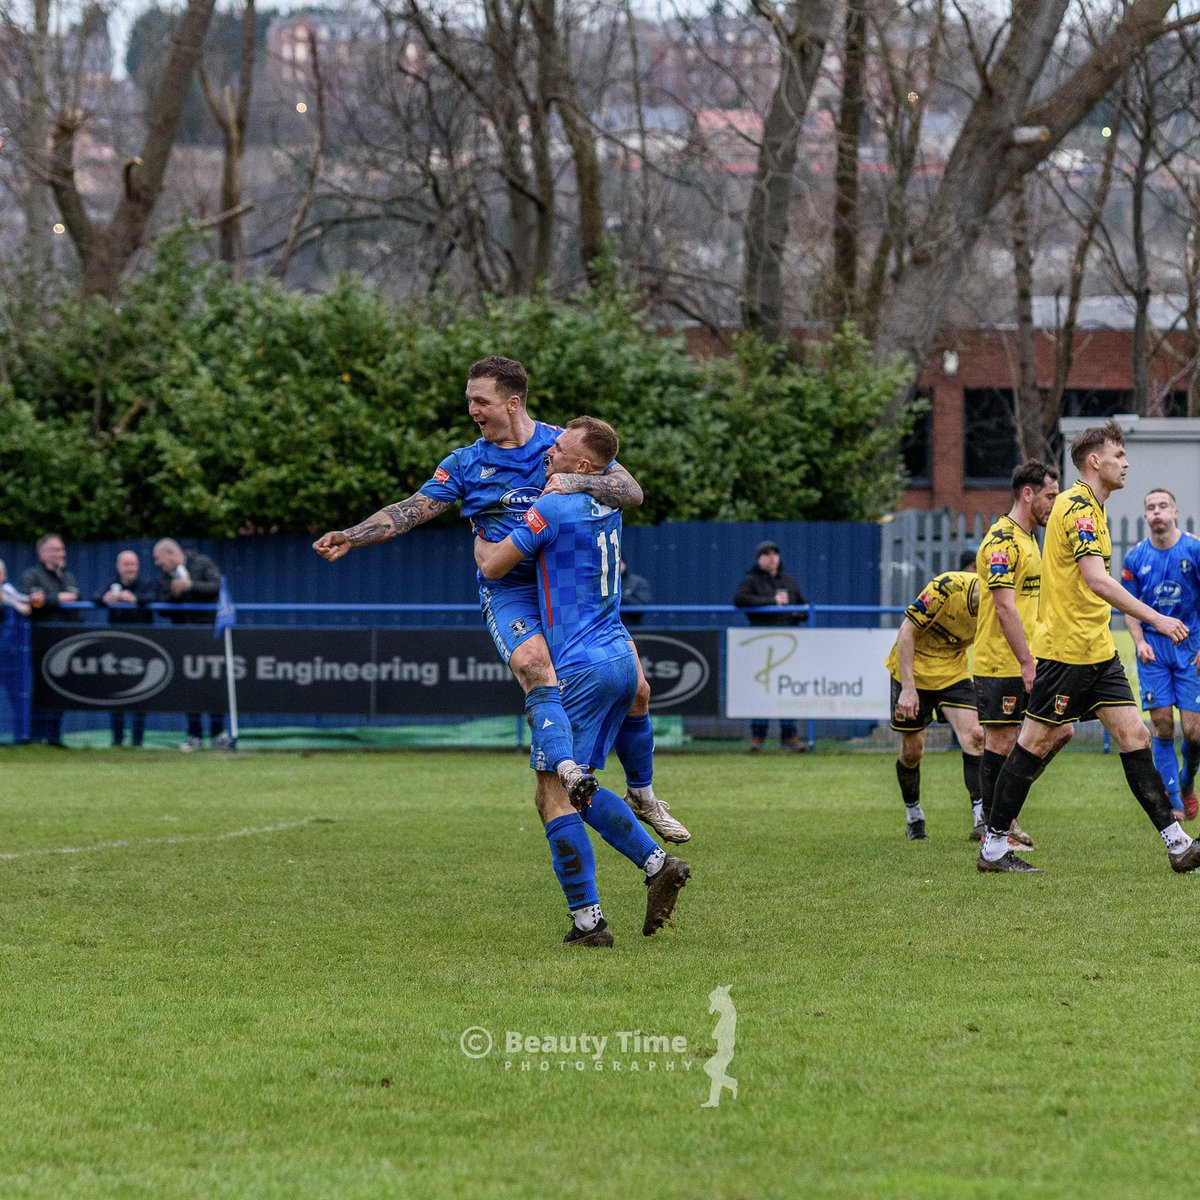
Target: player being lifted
{"type": "Point", "coordinates": [1010, 565]}
{"type": "Point", "coordinates": [1078, 672]}
{"type": "Point", "coordinates": [575, 543]}
{"type": "Point", "coordinates": [497, 479]}
{"type": "Point", "coordinates": [930, 681]}
{"type": "Point", "coordinates": [1164, 572]}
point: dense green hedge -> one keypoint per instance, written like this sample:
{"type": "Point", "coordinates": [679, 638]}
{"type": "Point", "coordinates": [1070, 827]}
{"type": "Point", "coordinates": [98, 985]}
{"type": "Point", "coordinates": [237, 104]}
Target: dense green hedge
{"type": "Point", "coordinates": [205, 407]}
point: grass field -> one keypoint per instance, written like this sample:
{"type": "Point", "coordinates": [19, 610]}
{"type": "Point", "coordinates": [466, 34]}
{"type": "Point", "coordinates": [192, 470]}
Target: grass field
{"type": "Point", "coordinates": [190, 1008]}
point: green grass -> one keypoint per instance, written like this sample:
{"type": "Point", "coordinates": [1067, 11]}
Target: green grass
{"type": "Point", "coordinates": [185, 1016]}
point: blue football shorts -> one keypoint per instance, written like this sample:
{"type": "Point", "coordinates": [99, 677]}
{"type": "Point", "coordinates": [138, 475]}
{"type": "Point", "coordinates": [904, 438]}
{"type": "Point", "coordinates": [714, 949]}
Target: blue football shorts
{"type": "Point", "coordinates": [597, 699]}
{"type": "Point", "coordinates": [510, 612]}
{"type": "Point", "coordinates": [1171, 680]}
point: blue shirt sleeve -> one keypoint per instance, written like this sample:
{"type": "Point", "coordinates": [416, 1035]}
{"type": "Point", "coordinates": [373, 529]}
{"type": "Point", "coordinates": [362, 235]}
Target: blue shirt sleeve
{"type": "Point", "coordinates": [446, 483]}
{"type": "Point", "coordinates": [539, 526]}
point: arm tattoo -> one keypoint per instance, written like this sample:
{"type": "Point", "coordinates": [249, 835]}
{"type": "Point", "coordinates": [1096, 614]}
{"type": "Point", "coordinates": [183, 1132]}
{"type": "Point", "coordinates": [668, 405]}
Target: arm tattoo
{"type": "Point", "coordinates": [396, 519]}
{"type": "Point", "coordinates": [617, 488]}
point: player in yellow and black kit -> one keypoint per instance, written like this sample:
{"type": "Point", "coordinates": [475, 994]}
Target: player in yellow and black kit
{"type": "Point", "coordinates": [1078, 672]}
{"type": "Point", "coordinates": [930, 681]}
{"type": "Point", "coordinates": [1010, 567]}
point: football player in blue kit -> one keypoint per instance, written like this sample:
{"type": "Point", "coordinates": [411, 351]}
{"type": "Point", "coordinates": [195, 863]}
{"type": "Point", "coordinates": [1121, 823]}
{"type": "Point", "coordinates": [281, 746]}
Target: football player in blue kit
{"type": "Point", "coordinates": [1163, 571]}
{"type": "Point", "coordinates": [573, 541]}
{"type": "Point", "coordinates": [497, 479]}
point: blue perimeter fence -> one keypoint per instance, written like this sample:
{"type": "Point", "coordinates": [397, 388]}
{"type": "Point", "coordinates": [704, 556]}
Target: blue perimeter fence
{"type": "Point", "coordinates": [426, 580]}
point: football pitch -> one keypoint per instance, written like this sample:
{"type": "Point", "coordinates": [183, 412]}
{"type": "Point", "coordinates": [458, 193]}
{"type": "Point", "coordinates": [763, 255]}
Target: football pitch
{"type": "Point", "coordinates": [340, 976]}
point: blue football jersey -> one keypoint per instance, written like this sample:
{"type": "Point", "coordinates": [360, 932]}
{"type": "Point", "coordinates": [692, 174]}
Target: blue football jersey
{"type": "Point", "coordinates": [579, 577]}
{"type": "Point", "coordinates": [496, 485]}
{"type": "Point", "coordinates": [1169, 582]}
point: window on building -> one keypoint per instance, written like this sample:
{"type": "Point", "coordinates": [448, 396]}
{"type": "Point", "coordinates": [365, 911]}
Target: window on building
{"type": "Point", "coordinates": [1096, 402]}
{"type": "Point", "coordinates": [990, 438]}
{"type": "Point", "coordinates": [917, 449]}
{"type": "Point", "coordinates": [1103, 403]}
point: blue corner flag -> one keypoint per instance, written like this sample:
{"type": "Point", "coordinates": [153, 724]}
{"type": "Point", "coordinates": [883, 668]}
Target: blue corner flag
{"type": "Point", "coordinates": [226, 611]}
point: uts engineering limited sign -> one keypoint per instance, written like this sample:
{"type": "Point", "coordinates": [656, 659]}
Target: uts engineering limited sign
{"type": "Point", "coordinates": [431, 672]}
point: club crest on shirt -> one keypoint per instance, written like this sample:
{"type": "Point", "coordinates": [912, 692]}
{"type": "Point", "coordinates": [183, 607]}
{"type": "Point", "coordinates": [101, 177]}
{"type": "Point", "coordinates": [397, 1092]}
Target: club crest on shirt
{"type": "Point", "coordinates": [1060, 704]}
{"type": "Point", "coordinates": [1008, 705]}
{"type": "Point", "coordinates": [998, 562]}
{"type": "Point", "coordinates": [1085, 528]}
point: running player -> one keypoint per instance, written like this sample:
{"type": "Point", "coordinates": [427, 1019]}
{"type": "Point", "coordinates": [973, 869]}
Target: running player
{"type": "Point", "coordinates": [1164, 572]}
{"type": "Point", "coordinates": [575, 542]}
{"type": "Point", "coordinates": [1078, 672]}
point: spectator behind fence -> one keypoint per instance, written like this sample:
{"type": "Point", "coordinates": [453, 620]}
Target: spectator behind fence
{"type": "Point", "coordinates": [49, 586]}
{"type": "Point", "coordinates": [188, 577]}
{"type": "Point", "coordinates": [128, 587]}
{"type": "Point", "coordinates": [634, 590]}
{"type": "Point", "coordinates": [768, 586]}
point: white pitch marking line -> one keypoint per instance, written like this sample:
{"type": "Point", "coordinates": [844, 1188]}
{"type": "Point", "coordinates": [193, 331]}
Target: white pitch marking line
{"type": "Point", "coordinates": [161, 841]}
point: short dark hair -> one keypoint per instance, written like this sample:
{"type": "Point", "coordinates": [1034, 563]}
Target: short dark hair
{"type": "Point", "coordinates": [507, 372]}
{"type": "Point", "coordinates": [1165, 492]}
{"type": "Point", "coordinates": [966, 560]}
{"type": "Point", "coordinates": [1031, 474]}
{"type": "Point", "coordinates": [1087, 440]}
{"type": "Point", "coordinates": [599, 438]}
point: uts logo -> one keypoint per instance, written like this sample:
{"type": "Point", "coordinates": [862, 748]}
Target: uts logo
{"type": "Point", "coordinates": [675, 671]}
{"type": "Point", "coordinates": [534, 520]}
{"type": "Point", "coordinates": [998, 562]}
{"type": "Point", "coordinates": [520, 498]}
{"type": "Point", "coordinates": [1085, 529]}
{"type": "Point", "coordinates": [100, 668]}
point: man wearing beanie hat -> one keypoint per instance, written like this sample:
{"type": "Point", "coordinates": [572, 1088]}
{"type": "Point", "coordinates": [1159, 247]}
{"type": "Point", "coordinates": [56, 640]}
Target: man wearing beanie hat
{"type": "Point", "coordinates": [767, 587]}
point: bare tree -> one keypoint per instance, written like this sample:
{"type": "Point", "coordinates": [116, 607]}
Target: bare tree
{"type": "Point", "coordinates": [231, 116]}
{"type": "Point", "coordinates": [105, 250]}
{"type": "Point", "coordinates": [802, 30]}
{"type": "Point", "coordinates": [991, 155]}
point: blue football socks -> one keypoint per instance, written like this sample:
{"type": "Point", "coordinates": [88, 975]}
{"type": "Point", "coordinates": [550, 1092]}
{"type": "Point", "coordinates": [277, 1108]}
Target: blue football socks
{"type": "Point", "coordinates": [550, 729]}
{"type": "Point", "coordinates": [574, 862]}
{"type": "Point", "coordinates": [1168, 767]}
{"type": "Point", "coordinates": [635, 750]}
{"type": "Point", "coordinates": [614, 821]}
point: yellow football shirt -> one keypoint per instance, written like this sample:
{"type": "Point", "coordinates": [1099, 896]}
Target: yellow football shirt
{"type": "Point", "coordinates": [944, 614]}
{"type": "Point", "coordinates": [1008, 558]}
{"type": "Point", "coordinates": [1072, 620]}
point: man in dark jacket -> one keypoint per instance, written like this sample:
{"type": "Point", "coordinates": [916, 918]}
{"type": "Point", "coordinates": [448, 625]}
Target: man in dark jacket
{"type": "Point", "coordinates": [49, 586]}
{"type": "Point", "coordinates": [188, 577]}
{"type": "Point", "coordinates": [126, 588]}
{"type": "Point", "coordinates": [766, 587]}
